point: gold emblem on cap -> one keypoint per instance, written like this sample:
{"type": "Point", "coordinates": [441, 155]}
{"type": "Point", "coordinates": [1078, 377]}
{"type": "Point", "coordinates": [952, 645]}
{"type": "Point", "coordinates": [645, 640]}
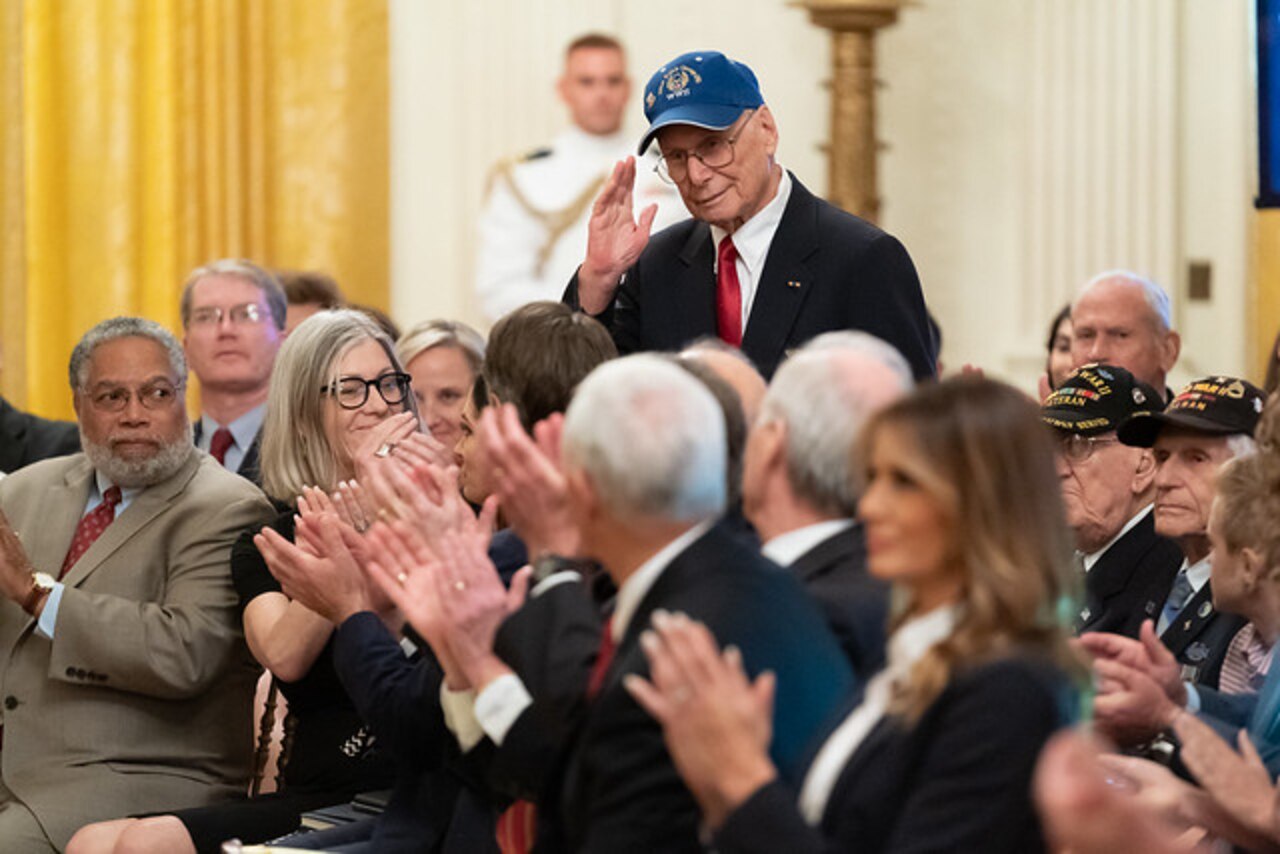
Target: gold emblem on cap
{"type": "Point", "coordinates": [649, 100]}
{"type": "Point", "coordinates": [1235, 390]}
{"type": "Point", "coordinates": [1138, 397]}
{"type": "Point", "coordinates": [678, 79]}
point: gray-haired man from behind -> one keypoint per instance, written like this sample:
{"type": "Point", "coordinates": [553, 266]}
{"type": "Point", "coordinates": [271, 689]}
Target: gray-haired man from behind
{"type": "Point", "coordinates": [127, 684]}
{"type": "Point", "coordinates": [800, 483]}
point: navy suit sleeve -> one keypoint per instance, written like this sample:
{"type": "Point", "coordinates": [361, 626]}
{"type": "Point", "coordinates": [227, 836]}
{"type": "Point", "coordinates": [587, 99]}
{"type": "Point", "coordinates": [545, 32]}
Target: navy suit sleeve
{"type": "Point", "coordinates": [397, 697]}
{"type": "Point", "coordinates": [968, 789]}
{"type": "Point", "coordinates": [900, 316]}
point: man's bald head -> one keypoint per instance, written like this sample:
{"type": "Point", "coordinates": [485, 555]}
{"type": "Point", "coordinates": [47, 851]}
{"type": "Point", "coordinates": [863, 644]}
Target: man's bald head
{"type": "Point", "coordinates": [1123, 319]}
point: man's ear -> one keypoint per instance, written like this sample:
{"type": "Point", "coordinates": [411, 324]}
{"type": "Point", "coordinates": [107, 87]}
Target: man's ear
{"type": "Point", "coordinates": [582, 493]}
{"type": "Point", "coordinates": [1145, 474]}
{"type": "Point", "coordinates": [769, 127]}
{"type": "Point", "coordinates": [773, 439]}
{"type": "Point", "coordinates": [1171, 347]}
{"type": "Point", "coordinates": [1252, 567]}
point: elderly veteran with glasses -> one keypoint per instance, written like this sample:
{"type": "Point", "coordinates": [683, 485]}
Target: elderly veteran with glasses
{"type": "Point", "coordinates": [1108, 490]}
{"type": "Point", "coordinates": [763, 264]}
{"type": "Point", "coordinates": [127, 685]}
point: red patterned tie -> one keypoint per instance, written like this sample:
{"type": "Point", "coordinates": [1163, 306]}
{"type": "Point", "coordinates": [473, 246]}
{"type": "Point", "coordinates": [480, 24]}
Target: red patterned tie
{"type": "Point", "coordinates": [218, 445]}
{"type": "Point", "coordinates": [91, 527]}
{"type": "Point", "coordinates": [518, 824]}
{"type": "Point", "coordinates": [728, 295]}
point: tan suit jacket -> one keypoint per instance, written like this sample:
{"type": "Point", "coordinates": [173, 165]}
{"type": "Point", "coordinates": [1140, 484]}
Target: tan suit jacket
{"type": "Point", "coordinates": [142, 699]}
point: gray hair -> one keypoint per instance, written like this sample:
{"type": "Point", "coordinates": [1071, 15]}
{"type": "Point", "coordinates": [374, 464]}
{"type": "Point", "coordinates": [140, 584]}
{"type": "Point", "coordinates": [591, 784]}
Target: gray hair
{"type": "Point", "coordinates": [651, 438]}
{"type": "Point", "coordinates": [123, 327]}
{"type": "Point", "coordinates": [824, 394]}
{"type": "Point", "coordinates": [1157, 298]}
{"type": "Point", "coordinates": [442, 333]}
{"type": "Point", "coordinates": [296, 450]}
{"type": "Point", "coordinates": [264, 280]}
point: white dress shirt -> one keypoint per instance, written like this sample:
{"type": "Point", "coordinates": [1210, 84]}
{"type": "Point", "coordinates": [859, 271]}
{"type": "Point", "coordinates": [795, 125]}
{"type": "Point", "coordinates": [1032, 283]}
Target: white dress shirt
{"type": "Point", "coordinates": [786, 549]}
{"type": "Point", "coordinates": [752, 240]}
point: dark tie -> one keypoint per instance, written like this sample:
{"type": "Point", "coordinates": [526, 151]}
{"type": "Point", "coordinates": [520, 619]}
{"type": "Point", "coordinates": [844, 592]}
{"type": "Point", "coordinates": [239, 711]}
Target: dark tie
{"type": "Point", "coordinates": [517, 825]}
{"type": "Point", "coordinates": [218, 445]}
{"type": "Point", "coordinates": [1179, 595]}
{"type": "Point", "coordinates": [91, 526]}
{"type": "Point", "coordinates": [728, 295]}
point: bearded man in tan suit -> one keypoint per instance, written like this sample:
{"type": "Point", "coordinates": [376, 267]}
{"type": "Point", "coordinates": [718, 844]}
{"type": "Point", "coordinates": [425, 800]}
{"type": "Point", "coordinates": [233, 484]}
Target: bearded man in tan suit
{"type": "Point", "coordinates": [125, 683]}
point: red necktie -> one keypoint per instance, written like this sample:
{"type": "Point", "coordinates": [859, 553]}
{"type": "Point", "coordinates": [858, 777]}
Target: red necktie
{"type": "Point", "coordinates": [91, 527]}
{"type": "Point", "coordinates": [219, 444]}
{"type": "Point", "coordinates": [518, 824]}
{"type": "Point", "coordinates": [728, 295]}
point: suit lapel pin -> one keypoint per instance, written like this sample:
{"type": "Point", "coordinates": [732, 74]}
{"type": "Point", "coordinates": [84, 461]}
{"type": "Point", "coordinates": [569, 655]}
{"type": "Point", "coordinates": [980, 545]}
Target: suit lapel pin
{"type": "Point", "coordinates": [1150, 607]}
{"type": "Point", "coordinates": [1186, 627]}
{"type": "Point", "coordinates": [1206, 608]}
{"type": "Point", "coordinates": [793, 285]}
{"type": "Point", "coordinates": [1197, 652]}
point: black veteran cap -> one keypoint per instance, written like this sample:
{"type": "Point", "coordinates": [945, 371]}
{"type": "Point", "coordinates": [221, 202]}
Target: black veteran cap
{"type": "Point", "coordinates": [1097, 399]}
{"type": "Point", "coordinates": [1215, 405]}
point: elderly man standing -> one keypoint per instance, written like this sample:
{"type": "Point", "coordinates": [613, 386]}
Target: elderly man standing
{"type": "Point", "coordinates": [1108, 489]}
{"type": "Point", "coordinates": [1120, 318]}
{"type": "Point", "coordinates": [233, 320]}
{"type": "Point", "coordinates": [763, 264]}
{"type": "Point", "coordinates": [127, 684]}
{"type": "Point", "coordinates": [800, 488]}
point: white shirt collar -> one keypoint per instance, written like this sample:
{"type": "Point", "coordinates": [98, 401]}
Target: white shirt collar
{"type": "Point", "coordinates": [1198, 573]}
{"type": "Point", "coordinates": [786, 549]}
{"type": "Point", "coordinates": [634, 589]}
{"type": "Point", "coordinates": [101, 484]}
{"type": "Point", "coordinates": [243, 430]}
{"type": "Point", "coordinates": [914, 638]}
{"type": "Point", "coordinates": [753, 237]}
{"type": "Point", "coordinates": [1093, 557]}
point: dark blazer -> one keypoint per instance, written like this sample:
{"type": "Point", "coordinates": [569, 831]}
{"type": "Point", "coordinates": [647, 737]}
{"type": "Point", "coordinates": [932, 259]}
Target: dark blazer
{"type": "Point", "coordinates": [826, 270]}
{"type": "Point", "coordinates": [250, 466]}
{"type": "Point", "coordinates": [834, 573]}
{"type": "Point", "coordinates": [1130, 581]}
{"type": "Point", "coordinates": [959, 780]}
{"type": "Point", "coordinates": [1199, 637]}
{"type": "Point", "coordinates": [26, 438]}
{"type": "Point", "coordinates": [430, 808]}
{"type": "Point", "coordinates": [1259, 713]}
{"type": "Point", "coordinates": [616, 789]}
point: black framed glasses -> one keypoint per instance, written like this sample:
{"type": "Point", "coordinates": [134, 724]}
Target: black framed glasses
{"type": "Point", "coordinates": [352, 392]}
{"type": "Point", "coordinates": [157, 395]}
{"type": "Point", "coordinates": [715, 152]}
{"type": "Point", "coordinates": [241, 315]}
{"type": "Point", "coordinates": [1076, 448]}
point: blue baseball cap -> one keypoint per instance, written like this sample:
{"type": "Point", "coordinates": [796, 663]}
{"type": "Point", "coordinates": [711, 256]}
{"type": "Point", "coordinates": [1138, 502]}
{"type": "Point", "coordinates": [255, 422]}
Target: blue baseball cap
{"type": "Point", "coordinates": [703, 88]}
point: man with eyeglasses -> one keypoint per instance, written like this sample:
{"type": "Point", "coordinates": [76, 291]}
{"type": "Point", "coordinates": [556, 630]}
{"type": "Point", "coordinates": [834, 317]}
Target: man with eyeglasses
{"type": "Point", "coordinates": [1108, 490]}
{"type": "Point", "coordinates": [764, 265]}
{"type": "Point", "coordinates": [127, 684]}
{"type": "Point", "coordinates": [233, 321]}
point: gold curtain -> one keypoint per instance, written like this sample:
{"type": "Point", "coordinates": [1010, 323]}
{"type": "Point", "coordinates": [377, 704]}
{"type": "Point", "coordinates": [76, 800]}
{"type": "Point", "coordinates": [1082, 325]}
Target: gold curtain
{"type": "Point", "coordinates": [141, 138]}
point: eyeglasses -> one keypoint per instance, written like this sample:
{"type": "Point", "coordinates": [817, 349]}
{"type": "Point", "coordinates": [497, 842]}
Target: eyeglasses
{"type": "Point", "coordinates": [352, 392]}
{"type": "Point", "coordinates": [715, 152]}
{"type": "Point", "coordinates": [1077, 448]}
{"type": "Point", "coordinates": [157, 395]}
{"type": "Point", "coordinates": [241, 315]}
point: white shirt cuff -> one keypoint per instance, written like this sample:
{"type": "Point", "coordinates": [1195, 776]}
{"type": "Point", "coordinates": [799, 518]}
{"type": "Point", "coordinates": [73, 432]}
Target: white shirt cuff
{"type": "Point", "coordinates": [499, 705]}
{"type": "Point", "coordinates": [1193, 698]}
{"type": "Point", "coordinates": [49, 616]}
{"type": "Point", "coordinates": [460, 716]}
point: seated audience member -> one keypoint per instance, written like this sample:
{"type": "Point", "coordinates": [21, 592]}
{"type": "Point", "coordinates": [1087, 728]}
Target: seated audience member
{"type": "Point", "coordinates": [233, 319]}
{"type": "Point", "coordinates": [384, 321]}
{"type": "Point", "coordinates": [444, 358]}
{"type": "Point", "coordinates": [735, 434]}
{"type": "Point", "coordinates": [800, 487]}
{"type": "Point", "coordinates": [336, 382]}
{"type": "Point", "coordinates": [962, 517]}
{"type": "Point", "coordinates": [734, 367]}
{"type": "Point", "coordinates": [536, 357]}
{"type": "Point", "coordinates": [1109, 489]}
{"type": "Point", "coordinates": [308, 292]}
{"type": "Point", "coordinates": [1148, 690]}
{"type": "Point", "coordinates": [1206, 425]}
{"type": "Point", "coordinates": [27, 438]}
{"type": "Point", "coordinates": [128, 685]}
{"type": "Point", "coordinates": [1120, 318]}
{"type": "Point", "coordinates": [643, 467]}
{"type": "Point", "coordinates": [1058, 361]}
{"type": "Point", "coordinates": [1272, 381]}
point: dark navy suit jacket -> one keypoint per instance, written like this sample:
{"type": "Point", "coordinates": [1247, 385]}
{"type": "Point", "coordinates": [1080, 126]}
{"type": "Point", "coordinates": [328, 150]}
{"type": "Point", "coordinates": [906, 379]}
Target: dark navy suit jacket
{"type": "Point", "coordinates": [27, 438]}
{"type": "Point", "coordinates": [826, 270]}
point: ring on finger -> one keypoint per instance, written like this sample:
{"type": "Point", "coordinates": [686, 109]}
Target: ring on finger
{"type": "Point", "coordinates": [402, 577]}
{"type": "Point", "coordinates": [459, 585]}
{"type": "Point", "coordinates": [384, 450]}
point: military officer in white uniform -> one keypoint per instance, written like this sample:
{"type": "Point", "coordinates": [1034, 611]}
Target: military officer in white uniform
{"type": "Point", "coordinates": [533, 229]}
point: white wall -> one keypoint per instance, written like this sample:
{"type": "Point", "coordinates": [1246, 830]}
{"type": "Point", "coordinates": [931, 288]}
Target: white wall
{"type": "Point", "coordinates": [1028, 143]}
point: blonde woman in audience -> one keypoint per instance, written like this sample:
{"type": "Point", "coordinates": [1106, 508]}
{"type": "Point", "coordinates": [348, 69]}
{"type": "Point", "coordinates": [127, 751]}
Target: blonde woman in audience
{"type": "Point", "coordinates": [963, 517]}
{"type": "Point", "coordinates": [338, 397]}
{"type": "Point", "coordinates": [444, 358]}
